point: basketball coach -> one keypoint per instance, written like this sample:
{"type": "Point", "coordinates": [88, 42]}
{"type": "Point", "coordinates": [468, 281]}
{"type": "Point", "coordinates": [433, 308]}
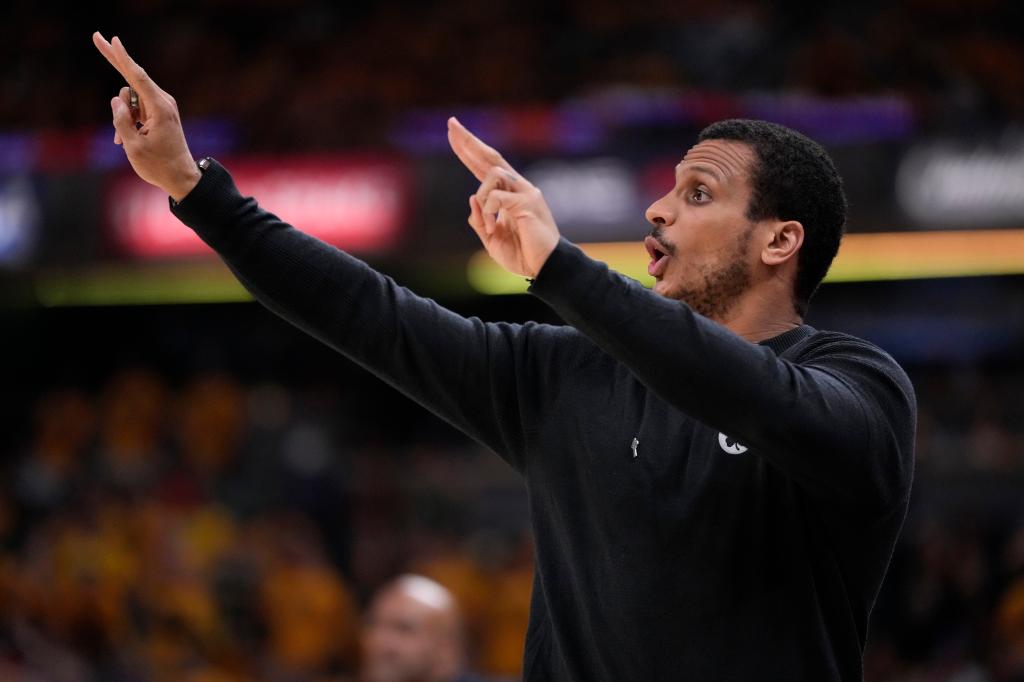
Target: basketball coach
{"type": "Point", "coordinates": [715, 487]}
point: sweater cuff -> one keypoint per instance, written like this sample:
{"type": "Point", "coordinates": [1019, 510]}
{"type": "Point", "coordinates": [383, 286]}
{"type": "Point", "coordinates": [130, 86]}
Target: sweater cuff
{"type": "Point", "coordinates": [210, 203]}
{"type": "Point", "coordinates": [568, 274]}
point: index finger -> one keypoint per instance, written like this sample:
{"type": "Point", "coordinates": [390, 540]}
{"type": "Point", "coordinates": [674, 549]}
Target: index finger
{"type": "Point", "coordinates": [471, 150]}
{"type": "Point", "coordinates": [125, 65]}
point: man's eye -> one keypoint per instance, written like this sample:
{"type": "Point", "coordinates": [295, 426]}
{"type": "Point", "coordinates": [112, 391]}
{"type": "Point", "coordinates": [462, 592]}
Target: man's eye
{"type": "Point", "coordinates": [700, 196]}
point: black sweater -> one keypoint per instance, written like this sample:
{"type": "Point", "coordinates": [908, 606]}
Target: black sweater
{"type": "Point", "coordinates": [704, 508]}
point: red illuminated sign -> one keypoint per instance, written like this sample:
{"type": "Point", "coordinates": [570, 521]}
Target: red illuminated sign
{"type": "Point", "coordinates": [354, 204]}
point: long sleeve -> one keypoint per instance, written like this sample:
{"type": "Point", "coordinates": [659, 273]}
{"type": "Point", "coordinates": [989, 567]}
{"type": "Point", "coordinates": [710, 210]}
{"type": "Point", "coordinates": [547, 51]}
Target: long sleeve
{"type": "Point", "coordinates": [840, 422]}
{"type": "Point", "coordinates": [488, 380]}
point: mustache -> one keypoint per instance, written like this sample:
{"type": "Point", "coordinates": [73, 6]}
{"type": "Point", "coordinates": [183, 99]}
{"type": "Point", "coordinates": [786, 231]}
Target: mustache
{"type": "Point", "coordinates": [658, 234]}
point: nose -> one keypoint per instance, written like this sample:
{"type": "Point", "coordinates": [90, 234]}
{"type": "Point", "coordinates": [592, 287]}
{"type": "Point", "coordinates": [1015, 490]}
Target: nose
{"type": "Point", "coordinates": [660, 212]}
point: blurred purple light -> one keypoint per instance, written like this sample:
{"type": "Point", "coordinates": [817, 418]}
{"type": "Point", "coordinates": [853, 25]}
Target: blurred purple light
{"type": "Point", "coordinates": [583, 126]}
{"type": "Point", "coordinates": [17, 152]}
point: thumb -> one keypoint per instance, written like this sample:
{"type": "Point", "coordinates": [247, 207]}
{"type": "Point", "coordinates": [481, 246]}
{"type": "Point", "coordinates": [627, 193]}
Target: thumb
{"type": "Point", "coordinates": [122, 119]}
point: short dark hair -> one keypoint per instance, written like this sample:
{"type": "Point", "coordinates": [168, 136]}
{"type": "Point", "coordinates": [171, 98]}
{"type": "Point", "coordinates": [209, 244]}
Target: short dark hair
{"type": "Point", "coordinates": [793, 178]}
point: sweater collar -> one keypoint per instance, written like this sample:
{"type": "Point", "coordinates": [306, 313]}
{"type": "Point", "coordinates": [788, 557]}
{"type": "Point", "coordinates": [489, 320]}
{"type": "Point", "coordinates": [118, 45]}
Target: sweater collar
{"type": "Point", "coordinates": [784, 341]}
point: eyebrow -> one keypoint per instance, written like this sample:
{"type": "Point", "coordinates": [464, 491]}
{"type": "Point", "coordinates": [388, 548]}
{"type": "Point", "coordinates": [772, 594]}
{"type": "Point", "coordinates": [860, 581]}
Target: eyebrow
{"type": "Point", "coordinates": [701, 168]}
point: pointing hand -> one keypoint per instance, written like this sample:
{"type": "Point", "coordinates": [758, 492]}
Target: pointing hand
{"type": "Point", "coordinates": [152, 137]}
{"type": "Point", "coordinates": [508, 213]}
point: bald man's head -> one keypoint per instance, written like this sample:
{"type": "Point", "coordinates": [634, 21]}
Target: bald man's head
{"type": "Point", "coordinates": [412, 633]}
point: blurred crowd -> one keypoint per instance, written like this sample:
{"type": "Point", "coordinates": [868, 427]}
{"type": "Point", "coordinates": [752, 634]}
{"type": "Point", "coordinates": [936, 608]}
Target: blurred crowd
{"type": "Point", "coordinates": [970, 420]}
{"type": "Point", "coordinates": [302, 75]}
{"type": "Point", "coordinates": [952, 606]}
{"type": "Point", "coordinates": [217, 530]}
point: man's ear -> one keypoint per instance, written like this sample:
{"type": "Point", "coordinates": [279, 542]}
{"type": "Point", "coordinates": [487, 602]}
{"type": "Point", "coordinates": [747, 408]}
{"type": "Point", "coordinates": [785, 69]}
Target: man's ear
{"type": "Point", "coordinates": [782, 242]}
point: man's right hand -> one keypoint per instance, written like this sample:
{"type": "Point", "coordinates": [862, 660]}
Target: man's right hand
{"type": "Point", "coordinates": [156, 149]}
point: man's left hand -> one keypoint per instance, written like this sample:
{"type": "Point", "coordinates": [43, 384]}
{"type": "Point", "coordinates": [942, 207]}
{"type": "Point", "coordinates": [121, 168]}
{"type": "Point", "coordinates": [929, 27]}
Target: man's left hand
{"type": "Point", "coordinates": [508, 213]}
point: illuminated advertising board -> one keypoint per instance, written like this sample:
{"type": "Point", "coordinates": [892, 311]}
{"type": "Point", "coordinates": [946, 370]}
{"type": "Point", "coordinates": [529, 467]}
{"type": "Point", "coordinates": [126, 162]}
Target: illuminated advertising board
{"type": "Point", "coordinates": [356, 204]}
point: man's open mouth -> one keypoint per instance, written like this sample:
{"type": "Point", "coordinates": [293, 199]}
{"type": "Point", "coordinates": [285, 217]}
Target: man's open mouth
{"type": "Point", "coordinates": [659, 257]}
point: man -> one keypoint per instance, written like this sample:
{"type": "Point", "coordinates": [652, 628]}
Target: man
{"type": "Point", "coordinates": [412, 633]}
{"type": "Point", "coordinates": [715, 487]}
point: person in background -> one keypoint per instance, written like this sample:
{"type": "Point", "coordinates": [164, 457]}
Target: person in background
{"type": "Point", "coordinates": [413, 633]}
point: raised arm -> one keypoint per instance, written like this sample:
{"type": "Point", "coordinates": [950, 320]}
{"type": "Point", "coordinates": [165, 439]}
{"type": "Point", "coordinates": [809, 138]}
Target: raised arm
{"type": "Point", "coordinates": [489, 380]}
{"type": "Point", "coordinates": [839, 422]}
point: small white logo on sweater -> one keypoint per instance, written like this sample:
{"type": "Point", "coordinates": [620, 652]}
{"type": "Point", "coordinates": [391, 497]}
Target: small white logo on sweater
{"type": "Point", "coordinates": [634, 445]}
{"type": "Point", "coordinates": [731, 446]}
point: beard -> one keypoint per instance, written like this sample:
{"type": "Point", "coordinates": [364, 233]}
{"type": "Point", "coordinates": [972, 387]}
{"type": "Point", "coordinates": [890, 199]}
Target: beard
{"type": "Point", "coordinates": [720, 286]}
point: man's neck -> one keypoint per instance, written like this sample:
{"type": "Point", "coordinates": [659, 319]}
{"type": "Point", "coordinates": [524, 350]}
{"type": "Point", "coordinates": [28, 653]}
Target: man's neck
{"type": "Point", "coordinates": [757, 317]}
{"type": "Point", "coordinates": [758, 333]}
